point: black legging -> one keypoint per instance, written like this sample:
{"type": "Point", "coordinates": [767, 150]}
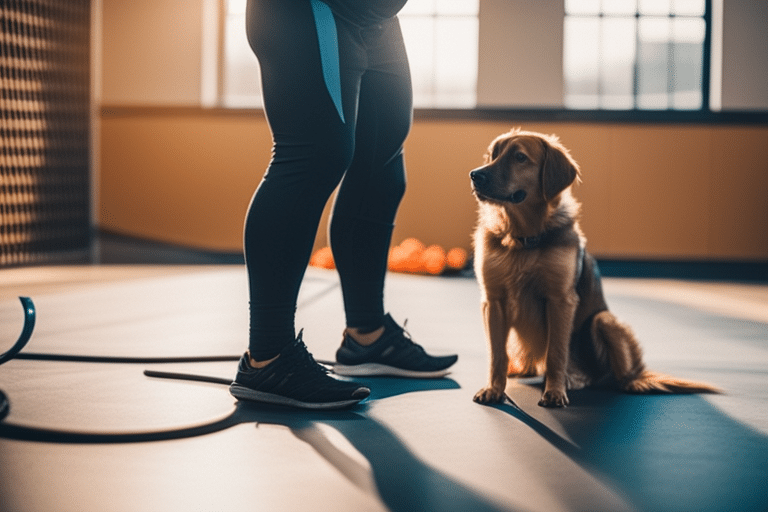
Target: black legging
{"type": "Point", "coordinates": [338, 101]}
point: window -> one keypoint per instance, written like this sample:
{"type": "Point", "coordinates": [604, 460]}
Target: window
{"type": "Point", "coordinates": [635, 54]}
{"type": "Point", "coordinates": [441, 37]}
{"type": "Point", "coordinates": [241, 80]}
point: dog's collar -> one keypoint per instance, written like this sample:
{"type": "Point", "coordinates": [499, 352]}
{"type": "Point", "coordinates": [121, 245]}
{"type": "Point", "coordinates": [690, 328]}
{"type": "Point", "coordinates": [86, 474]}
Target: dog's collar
{"type": "Point", "coordinates": [531, 242]}
{"type": "Point", "coordinates": [536, 241]}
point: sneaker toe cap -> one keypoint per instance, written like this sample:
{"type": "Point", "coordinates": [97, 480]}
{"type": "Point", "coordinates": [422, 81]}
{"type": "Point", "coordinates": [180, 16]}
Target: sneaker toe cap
{"type": "Point", "coordinates": [361, 393]}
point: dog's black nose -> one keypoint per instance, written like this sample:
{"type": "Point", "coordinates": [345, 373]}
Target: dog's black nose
{"type": "Point", "coordinates": [478, 177]}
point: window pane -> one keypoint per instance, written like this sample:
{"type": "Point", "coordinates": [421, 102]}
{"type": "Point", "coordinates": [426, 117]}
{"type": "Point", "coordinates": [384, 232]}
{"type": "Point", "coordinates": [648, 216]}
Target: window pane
{"type": "Point", "coordinates": [456, 7]}
{"type": "Point", "coordinates": [688, 30]}
{"type": "Point", "coordinates": [688, 7]}
{"type": "Point", "coordinates": [441, 39]}
{"type": "Point", "coordinates": [617, 63]}
{"type": "Point", "coordinates": [419, 7]}
{"type": "Point", "coordinates": [581, 62]}
{"type": "Point", "coordinates": [456, 63]}
{"type": "Point", "coordinates": [688, 36]}
{"type": "Point", "coordinates": [624, 7]}
{"type": "Point", "coordinates": [236, 6]}
{"type": "Point", "coordinates": [418, 33]}
{"type": "Point", "coordinates": [653, 61]}
{"type": "Point", "coordinates": [582, 6]}
{"type": "Point", "coordinates": [655, 7]}
{"type": "Point", "coordinates": [241, 80]}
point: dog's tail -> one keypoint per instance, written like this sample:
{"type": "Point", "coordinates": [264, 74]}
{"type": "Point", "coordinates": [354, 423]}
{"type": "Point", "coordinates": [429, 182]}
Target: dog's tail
{"type": "Point", "coordinates": [649, 382]}
{"type": "Point", "coordinates": [615, 343]}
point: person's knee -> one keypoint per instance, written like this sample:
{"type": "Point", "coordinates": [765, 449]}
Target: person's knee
{"type": "Point", "coordinates": [316, 164]}
{"type": "Point", "coordinates": [394, 188]}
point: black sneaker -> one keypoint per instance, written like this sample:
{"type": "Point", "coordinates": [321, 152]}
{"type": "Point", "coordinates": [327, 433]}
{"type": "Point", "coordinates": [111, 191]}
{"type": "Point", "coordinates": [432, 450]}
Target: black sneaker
{"type": "Point", "coordinates": [393, 354]}
{"type": "Point", "coordinates": [295, 379]}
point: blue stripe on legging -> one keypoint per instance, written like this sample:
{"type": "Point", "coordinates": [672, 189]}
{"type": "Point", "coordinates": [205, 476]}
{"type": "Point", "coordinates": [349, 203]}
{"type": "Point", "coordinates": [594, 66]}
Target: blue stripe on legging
{"type": "Point", "coordinates": [329, 51]}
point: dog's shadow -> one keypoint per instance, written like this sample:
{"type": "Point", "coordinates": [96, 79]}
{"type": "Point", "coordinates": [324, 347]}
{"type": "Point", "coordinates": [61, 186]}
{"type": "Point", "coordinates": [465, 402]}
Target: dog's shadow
{"type": "Point", "coordinates": [661, 452]}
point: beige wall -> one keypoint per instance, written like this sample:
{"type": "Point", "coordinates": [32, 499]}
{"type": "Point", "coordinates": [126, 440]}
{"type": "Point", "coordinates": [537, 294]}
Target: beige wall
{"type": "Point", "coordinates": [649, 191]}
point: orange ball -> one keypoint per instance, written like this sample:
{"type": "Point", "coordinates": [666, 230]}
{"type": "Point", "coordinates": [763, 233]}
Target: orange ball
{"type": "Point", "coordinates": [413, 262]}
{"type": "Point", "coordinates": [456, 258]}
{"type": "Point", "coordinates": [412, 246]}
{"type": "Point", "coordinates": [406, 257]}
{"type": "Point", "coordinates": [433, 260]}
{"type": "Point", "coordinates": [397, 259]}
{"type": "Point", "coordinates": [323, 258]}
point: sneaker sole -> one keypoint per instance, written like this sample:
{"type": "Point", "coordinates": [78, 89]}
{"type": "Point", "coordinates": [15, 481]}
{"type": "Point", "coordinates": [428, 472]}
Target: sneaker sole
{"type": "Point", "coordinates": [243, 393]}
{"type": "Point", "coordinates": [382, 370]}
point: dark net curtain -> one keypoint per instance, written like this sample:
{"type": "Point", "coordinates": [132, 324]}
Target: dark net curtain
{"type": "Point", "coordinates": [45, 128]}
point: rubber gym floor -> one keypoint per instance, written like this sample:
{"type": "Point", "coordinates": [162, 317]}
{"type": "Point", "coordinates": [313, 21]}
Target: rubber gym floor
{"type": "Point", "coordinates": [85, 434]}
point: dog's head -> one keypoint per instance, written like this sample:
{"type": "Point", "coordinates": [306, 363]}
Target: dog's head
{"type": "Point", "coordinates": [524, 168]}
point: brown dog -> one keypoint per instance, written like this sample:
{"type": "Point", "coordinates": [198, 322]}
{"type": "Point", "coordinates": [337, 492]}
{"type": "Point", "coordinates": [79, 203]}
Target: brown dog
{"type": "Point", "coordinates": [538, 281]}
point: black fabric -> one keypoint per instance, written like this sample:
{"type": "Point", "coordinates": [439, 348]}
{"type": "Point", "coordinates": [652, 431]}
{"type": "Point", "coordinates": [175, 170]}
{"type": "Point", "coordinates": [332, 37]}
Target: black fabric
{"type": "Point", "coordinates": [315, 150]}
{"type": "Point", "coordinates": [365, 12]}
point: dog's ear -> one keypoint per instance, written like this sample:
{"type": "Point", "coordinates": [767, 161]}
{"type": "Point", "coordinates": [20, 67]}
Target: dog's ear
{"type": "Point", "coordinates": [558, 171]}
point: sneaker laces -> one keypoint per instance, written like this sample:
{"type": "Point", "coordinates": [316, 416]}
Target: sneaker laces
{"type": "Point", "coordinates": [404, 340]}
{"type": "Point", "coordinates": [303, 359]}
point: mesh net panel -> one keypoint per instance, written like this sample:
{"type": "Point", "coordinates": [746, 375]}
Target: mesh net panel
{"type": "Point", "coordinates": [45, 129]}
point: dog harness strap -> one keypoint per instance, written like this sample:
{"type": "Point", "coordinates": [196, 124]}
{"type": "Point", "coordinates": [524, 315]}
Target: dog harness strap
{"type": "Point", "coordinates": [579, 264]}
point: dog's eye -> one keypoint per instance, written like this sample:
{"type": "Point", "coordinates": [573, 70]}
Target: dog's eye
{"type": "Point", "coordinates": [521, 157]}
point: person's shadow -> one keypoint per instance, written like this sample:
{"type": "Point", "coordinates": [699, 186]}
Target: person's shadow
{"type": "Point", "coordinates": [662, 452]}
{"type": "Point", "coordinates": [393, 474]}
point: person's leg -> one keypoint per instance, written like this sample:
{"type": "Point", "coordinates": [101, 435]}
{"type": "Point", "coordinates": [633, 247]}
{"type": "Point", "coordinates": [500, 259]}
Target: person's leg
{"type": "Point", "coordinates": [364, 213]}
{"type": "Point", "coordinates": [313, 147]}
{"type": "Point", "coordinates": [366, 204]}
{"type": "Point", "coordinates": [312, 123]}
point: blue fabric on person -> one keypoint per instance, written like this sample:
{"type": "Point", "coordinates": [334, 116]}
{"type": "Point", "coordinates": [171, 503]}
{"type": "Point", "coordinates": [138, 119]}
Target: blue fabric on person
{"type": "Point", "coordinates": [329, 51]}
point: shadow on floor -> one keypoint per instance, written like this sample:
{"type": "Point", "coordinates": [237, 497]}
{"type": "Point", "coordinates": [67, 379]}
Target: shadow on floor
{"type": "Point", "coordinates": [663, 452]}
{"type": "Point", "coordinates": [396, 476]}
{"type": "Point", "coordinates": [392, 474]}
{"type": "Point", "coordinates": [111, 248]}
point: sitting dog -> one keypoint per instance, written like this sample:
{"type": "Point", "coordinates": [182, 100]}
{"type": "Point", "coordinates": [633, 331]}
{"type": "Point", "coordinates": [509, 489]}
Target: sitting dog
{"type": "Point", "coordinates": [538, 281]}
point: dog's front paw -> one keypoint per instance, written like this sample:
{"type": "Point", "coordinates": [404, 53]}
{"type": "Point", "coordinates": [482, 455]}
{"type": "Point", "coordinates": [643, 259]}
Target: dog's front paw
{"type": "Point", "coordinates": [554, 398]}
{"type": "Point", "coordinates": [489, 396]}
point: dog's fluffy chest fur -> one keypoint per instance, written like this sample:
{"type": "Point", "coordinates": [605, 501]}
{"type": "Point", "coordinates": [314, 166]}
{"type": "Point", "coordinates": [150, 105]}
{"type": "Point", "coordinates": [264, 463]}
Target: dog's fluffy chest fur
{"type": "Point", "coordinates": [509, 270]}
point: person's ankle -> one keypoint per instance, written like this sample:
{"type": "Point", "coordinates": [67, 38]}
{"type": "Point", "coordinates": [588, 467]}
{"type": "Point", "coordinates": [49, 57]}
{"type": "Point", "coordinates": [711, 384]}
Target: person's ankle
{"type": "Point", "coordinates": [260, 364]}
{"type": "Point", "coordinates": [365, 339]}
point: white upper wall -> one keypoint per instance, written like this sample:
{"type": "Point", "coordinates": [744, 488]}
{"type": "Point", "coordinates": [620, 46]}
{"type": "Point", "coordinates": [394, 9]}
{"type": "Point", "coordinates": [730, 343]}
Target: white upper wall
{"type": "Point", "coordinates": [745, 55]}
{"type": "Point", "coordinates": [521, 54]}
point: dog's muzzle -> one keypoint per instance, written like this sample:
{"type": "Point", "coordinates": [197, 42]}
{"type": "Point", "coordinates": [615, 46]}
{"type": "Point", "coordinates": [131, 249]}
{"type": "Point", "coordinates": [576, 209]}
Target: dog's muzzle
{"type": "Point", "coordinates": [480, 181]}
